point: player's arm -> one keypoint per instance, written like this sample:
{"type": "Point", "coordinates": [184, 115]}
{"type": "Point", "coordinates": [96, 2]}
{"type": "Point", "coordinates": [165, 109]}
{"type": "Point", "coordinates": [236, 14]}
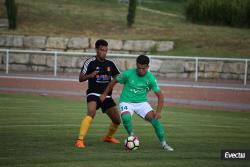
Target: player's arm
{"type": "Point", "coordinates": [83, 77]}
{"type": "Point", "coordinates": [159, 105]}
{"type": "Point", "coordinates": [87, 71]}
{"type": "Point", "coordinates": [157, 90]}
{"type": "Point", "coordinates": [108, 89]}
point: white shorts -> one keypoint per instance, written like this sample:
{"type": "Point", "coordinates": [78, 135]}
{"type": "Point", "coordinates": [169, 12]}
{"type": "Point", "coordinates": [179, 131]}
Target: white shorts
{"type": "Point", "coordinates": [139, 108]}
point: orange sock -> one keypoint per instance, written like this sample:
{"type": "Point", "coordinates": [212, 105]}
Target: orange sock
{"type": "Point", "coordinates": [112, 129]}
{"type": "Point", "coordinates": [84, 127]}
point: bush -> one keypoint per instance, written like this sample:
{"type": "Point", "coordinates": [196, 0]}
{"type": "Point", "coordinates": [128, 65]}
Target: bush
{"type": "Point", "coordinates": [11, 12]}
{"type": "Point", "coordinates": [131, 12]}
{"type": "Point", "coordinates": [234, 13]}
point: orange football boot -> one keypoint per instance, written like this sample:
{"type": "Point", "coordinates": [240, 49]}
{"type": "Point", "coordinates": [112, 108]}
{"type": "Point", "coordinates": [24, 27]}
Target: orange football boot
{"type": "Point", "coordinates": [80, 143]}
{"type": "Point", "coordinates": [111, 139]}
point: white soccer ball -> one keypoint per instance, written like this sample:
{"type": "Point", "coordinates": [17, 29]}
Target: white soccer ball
{"type": "Point", "coordinates": [132, 143]}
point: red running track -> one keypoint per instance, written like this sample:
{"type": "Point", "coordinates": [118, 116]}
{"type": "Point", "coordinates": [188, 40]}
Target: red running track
{"type": "Point", "coordinates": [226, 99]}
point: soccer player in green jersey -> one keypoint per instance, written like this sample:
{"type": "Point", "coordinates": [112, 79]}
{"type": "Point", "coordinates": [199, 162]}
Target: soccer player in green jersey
{"type": "Point", "coordinates": [137, 84]}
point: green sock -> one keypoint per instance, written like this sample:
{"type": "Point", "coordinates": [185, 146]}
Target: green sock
{"type": "Point", "coordinates": [127, 122]}
{"type": "Point", "coordinates": [158, 130]}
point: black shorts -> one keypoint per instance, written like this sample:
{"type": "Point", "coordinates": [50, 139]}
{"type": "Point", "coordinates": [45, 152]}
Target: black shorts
{"type": "Point", "coordinates": [107, 103]}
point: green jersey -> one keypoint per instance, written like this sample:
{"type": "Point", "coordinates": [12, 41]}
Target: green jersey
{"type": "Point", "coordinates": [135, 87]}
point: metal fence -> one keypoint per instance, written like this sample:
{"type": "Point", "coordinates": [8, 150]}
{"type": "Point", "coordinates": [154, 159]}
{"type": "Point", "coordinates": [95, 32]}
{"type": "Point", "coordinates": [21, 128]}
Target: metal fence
{"type": "Point", "coordinates": [115, 55]}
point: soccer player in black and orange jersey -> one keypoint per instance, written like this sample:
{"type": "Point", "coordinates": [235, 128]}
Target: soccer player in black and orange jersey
{"type": "Point", "coordinates": [99, 72]}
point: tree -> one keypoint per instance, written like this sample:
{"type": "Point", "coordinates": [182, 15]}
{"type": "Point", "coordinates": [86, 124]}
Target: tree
{"type": "Point", "coordinates": [131, 12]}
{"type": "Point", "coordinates": [11, 12]}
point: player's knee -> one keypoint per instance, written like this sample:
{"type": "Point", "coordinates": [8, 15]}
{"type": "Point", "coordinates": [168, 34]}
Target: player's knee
{"type": "Point", "coordinates": [91, 113]}
{"type": "Point", "coordinates": [150, 116]}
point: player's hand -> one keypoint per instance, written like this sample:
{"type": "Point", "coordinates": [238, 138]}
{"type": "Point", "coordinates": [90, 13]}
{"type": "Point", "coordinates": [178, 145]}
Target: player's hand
{"type": "Point", "coordinates": [102, 98]}
{"type": "Point", "coordinates": [157, 116]}
{"type": "Point", "coordinates": [93, 74]}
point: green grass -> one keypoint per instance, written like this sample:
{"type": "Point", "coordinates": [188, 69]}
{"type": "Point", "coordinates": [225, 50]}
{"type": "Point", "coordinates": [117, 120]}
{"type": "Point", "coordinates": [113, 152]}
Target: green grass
{"type": "Point", "coordinates": [40, 131]}
{"type": "Point", "coordinates": [107, 19]}
{"type": "Point", "coordinates": [168, 6]}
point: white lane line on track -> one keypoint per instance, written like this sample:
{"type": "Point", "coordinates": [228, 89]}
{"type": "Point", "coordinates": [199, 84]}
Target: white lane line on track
{"type": "Point", "coordinates": [42, 91]}
{"type": "Point", "coordinates": [205, 86]}
{"type": "Point", "coordinates": [188, 85]}
{"type": "Point", "coordinates": [39, 78]}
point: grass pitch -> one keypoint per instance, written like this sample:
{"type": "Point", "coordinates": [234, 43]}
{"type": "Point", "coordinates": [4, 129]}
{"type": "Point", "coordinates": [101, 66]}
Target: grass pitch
{"type": "Point", "coordinates": [41, 131]}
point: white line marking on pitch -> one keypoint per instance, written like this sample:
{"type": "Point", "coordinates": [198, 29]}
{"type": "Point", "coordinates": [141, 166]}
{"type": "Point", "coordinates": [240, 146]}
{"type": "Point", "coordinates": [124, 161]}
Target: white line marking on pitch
{"type": "Point", "coordinates": [101, 125]}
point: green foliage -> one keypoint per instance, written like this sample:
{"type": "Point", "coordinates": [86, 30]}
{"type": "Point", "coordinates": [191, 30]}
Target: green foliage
{"type": "Point", "coordinates": [3, 13]}
{"type": "Point", "coordinates": [131, 12]}
{"type": "Point", "coordinates": [12, 13]}
{"type": "Point", "coordinates": [109, 18]}
{"type": "Point", "coordinates": [219, 12]}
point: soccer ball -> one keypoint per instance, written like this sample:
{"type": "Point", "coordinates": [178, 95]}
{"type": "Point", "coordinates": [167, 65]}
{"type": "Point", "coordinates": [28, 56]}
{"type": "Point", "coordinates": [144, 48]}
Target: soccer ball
{"type": "Point", "coordinates": [132, 143]}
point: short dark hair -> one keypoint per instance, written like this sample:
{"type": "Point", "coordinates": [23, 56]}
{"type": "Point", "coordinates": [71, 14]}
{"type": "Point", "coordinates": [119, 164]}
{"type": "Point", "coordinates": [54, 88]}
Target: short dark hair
{"type": "Point", "coordinates": [100, 42]}
{"type": "Point", "coordinates": [142, 59]}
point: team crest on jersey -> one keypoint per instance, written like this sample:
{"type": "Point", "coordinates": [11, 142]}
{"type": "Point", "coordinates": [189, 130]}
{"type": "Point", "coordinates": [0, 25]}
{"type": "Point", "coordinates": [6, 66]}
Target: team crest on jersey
{"type": "Point", "coordinates": [108, 68]}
